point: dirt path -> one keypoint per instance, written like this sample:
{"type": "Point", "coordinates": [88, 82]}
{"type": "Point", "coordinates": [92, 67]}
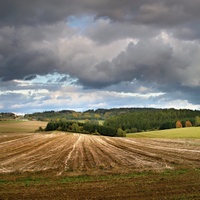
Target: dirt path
{"type": "Point", "coordinates": [78, 153]}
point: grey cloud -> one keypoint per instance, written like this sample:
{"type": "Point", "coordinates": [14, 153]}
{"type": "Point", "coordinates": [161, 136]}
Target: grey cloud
{"type": "Point", "coordinates": [153, 62]}
{"type": "Point", "coordinates": [139, 61]}
{"type": "Point", "coordinates": [189, 32]}
{"type": "Point", "coordinates": [7, 101]}
{"type": "Point", "coordinates": [189, 94]}
{"type": "Point", "coordinates": [103, 31]}
{"type": "Point", "coordinates": [33, 12]}
{"type": "Point", "coordinates": [153, 11]}
{"type": "Point", "coordinates": [163, 13]}
{"type": "Point", "coordinates": [14, 39]}
{"type": "Point", "coordinates": [25, 51]}
{"type": "Point", "coordinates": [23, 64]}
{"type": "Point", "coordinates": [148, 60]}
{"type": "Point", "coordinates": [181, 18]}
{"type": "Point", "coordinates": [135, 86]}
{"type": "Point", "coordinates": [36, 40]}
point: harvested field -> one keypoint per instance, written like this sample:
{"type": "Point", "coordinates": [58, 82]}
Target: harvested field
{"type": "Point", "coordinates": [10, 127]}
{"type": "Point", "coordinates": [87, 154]}
{"type": "Point", "coordinates": [75, 166]}
{"type": "Point", "coordinates": [182, 184]}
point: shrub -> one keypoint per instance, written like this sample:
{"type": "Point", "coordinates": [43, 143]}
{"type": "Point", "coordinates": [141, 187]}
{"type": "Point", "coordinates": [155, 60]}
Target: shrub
{"type": "Point", "coordinates": [121, 133]}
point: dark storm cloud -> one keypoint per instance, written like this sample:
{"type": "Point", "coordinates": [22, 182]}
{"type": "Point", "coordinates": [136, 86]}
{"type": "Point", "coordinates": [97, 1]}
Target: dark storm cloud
{"type": "Point", "coordinates": [140, 61]}
{"type": "Point", "coordinates": [28, 27]}
{"type": "Point", "coordinates": [164, 12]}
{"type": "Point", "coordinates": [103, 31]}
{"type": "Point", "coordinates": [33, 12]}
{"type": "Point", "coordinates": [27, 51]}
{"type": "Point", "coordinates": [20, 65]}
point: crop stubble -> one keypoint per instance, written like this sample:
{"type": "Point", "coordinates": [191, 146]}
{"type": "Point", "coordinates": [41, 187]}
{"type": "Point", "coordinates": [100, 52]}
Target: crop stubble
{"type": "Point", "coordinates": [61, 156]}
{"type": "Point", "coordinates": [79, 153]}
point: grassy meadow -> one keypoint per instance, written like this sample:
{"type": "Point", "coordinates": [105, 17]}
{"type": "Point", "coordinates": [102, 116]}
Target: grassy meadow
{"type": "Point", "coordinates": [178, 133]}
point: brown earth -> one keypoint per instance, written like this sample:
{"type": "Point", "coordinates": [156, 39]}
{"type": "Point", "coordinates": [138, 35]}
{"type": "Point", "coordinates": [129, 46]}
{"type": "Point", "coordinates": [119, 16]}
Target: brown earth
{"type": "Point", "coordinates": [169, 184]}
{"type": "Point", "coordinates": [83, 154]}
{"type": "Point", "coordinates": [77, 166]}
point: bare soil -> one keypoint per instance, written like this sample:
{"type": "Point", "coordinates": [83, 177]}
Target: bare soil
{"type": "Point", "coordinates": [75, 166]}
{"type": "Point", "coordinates": [85, 154]}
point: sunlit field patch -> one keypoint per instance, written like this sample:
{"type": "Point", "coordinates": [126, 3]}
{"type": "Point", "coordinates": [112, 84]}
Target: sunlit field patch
{"type": "Point", "coordinates": [178, 133]}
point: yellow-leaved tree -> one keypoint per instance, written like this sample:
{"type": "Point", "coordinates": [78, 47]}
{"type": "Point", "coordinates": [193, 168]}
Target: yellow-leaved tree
{"type": "Point", "coordinates": [188, 124]}
{"type": "Point", "coordinates": [179, 124]}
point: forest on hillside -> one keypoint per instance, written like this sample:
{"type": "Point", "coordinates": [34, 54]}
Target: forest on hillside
{"type": "Point", "coordinates": [154, 120]}
{"type": "Point", "coordinates": [99, 114]}
{"type": "Point", "coordinates": [119, 121]}
{"type": "Point", "coordinates": [128, 119]}
{"type": "Point", "coordinates": [103, 114]}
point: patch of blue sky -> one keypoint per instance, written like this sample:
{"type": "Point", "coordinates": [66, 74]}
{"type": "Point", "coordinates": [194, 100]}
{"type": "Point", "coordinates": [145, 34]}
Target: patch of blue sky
{"type": "Point", "coordinates": [80, 22]}
{"type": "Point", "coordinates": [53, 78]}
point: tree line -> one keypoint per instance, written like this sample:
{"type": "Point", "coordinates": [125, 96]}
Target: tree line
{"type": "Point", "coordinates": [155, 119]}
{"type": "Point", "coordinates": [86, 128]}
{"type": "Point", "coordinates": [98, 114]}
{"type": "Point", "coordinates": [126, 120]}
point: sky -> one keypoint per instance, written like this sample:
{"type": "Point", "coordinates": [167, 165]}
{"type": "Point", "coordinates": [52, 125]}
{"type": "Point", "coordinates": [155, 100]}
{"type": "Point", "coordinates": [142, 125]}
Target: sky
{"type": "Point", "coordinates": [89, 54]}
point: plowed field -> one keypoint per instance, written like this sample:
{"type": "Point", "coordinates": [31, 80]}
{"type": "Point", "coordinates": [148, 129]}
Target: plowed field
{"type": "Point", "coordinates": [76, 166]}
{"type": "Point", "coordinates": [85, 154]}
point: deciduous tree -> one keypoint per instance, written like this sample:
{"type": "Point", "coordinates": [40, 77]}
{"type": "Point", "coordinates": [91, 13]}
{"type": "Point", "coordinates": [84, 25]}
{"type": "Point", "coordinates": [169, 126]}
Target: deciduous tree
{"type": "Point", "coordinates": [179, 124]}
{"type": "Point", "coordinates": [188, 124]}
{"type": "Point", "coordinates": [75, 127]}
{"type": "Point", "coordinates": [121, 133]}
{"type": "Point", "coordinates": [197, 121]}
